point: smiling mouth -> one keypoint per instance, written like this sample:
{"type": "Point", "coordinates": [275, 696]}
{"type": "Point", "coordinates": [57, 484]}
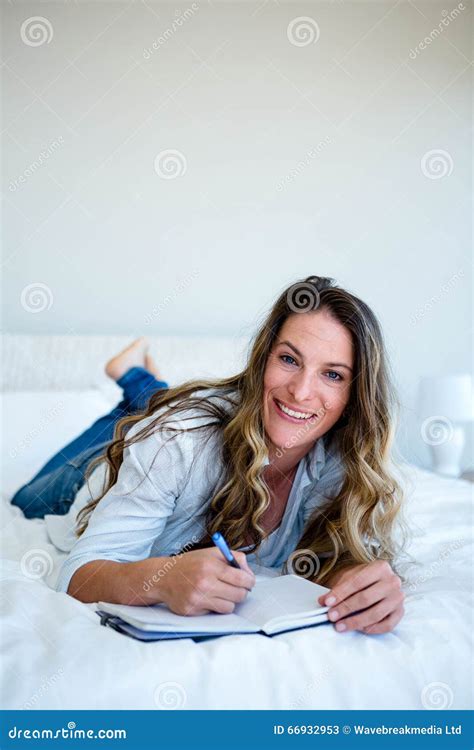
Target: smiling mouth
{"type": "Point", "coordinates": [294, 416]}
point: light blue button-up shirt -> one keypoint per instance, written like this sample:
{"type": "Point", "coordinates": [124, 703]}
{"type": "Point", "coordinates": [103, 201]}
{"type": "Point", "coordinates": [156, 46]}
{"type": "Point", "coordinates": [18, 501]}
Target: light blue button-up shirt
{"type": "Point", "coordinates": [157, 507]}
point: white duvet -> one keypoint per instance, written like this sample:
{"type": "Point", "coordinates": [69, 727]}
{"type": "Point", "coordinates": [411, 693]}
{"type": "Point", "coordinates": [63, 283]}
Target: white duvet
{"type": "Point", "coordinates": [56, 655]}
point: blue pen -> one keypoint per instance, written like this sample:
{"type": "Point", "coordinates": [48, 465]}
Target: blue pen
{"type": "Point", "coordinates": [221, 544]}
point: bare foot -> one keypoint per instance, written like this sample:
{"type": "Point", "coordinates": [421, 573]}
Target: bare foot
{"type": "Point", "coordinates": [133, 356]}
{"type": "Point", "coordinates": [151, 366]}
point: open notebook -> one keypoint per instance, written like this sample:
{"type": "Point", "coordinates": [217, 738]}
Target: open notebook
{"type": "Point", "coordinates": [274, 605]}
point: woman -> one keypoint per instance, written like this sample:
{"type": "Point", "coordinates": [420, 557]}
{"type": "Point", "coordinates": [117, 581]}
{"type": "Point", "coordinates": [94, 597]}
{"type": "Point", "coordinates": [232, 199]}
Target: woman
{"type": "Point", "coordinates": [288, 458]}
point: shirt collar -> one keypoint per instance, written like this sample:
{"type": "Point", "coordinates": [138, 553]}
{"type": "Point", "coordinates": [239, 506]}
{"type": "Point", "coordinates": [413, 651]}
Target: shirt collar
{"type": "Point", "coordinates": [314, 460]}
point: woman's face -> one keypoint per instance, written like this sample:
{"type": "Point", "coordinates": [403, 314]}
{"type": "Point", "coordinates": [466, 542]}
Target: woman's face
{"type": "Point", "coordinates": [308, 371]}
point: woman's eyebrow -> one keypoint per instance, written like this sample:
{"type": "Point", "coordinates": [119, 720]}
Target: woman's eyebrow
{"type": "Point", "coordinates": [328, 364]}
{"type": "Point", "coordinates": [338, 364]}
{"type": "Point", "coordinates": [288, 343]}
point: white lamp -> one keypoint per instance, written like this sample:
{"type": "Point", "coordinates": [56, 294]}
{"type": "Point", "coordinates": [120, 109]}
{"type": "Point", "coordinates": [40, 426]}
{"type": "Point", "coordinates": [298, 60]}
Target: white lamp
{"type": "Point", "coordinates": [445, 404]}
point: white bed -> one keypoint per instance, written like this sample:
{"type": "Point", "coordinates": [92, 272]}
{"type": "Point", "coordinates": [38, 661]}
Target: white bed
{"type": "Point", "coordinates": [55, 654]}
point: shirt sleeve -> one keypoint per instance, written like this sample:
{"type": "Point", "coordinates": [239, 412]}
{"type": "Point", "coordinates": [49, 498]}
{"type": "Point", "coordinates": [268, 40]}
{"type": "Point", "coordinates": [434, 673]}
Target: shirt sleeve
{"type": "Point", "coordinates": [134, 511]}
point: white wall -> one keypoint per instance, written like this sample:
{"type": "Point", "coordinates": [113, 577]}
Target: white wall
{"type": "Point", "coordinates": [307, 158]}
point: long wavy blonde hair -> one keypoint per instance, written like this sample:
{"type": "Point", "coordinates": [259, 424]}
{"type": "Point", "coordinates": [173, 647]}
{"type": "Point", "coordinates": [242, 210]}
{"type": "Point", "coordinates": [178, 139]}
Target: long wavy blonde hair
{"type": "Point", "coordinates": [356, 525]}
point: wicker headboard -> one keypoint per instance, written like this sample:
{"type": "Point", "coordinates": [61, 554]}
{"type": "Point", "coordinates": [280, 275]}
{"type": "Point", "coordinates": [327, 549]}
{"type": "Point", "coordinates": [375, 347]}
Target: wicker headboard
{"type": "Point", "coordinates": [77, 362]}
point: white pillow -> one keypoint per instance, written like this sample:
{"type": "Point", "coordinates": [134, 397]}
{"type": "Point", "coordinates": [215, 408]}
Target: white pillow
{"type": "Point", "coordinates": [36, 424]}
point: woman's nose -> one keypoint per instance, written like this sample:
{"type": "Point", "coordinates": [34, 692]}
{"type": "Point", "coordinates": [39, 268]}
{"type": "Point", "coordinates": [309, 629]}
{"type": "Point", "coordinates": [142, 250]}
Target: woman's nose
{"type": "Point", "coordinates": [302, 387]}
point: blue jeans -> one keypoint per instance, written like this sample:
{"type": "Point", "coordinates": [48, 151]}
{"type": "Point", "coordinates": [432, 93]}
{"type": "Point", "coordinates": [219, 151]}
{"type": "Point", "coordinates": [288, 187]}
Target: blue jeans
{"type": "Point", "coordinates": [53, 489]}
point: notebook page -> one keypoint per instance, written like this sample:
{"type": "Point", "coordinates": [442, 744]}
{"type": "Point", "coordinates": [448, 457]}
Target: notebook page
{"type": "Point", "coordinates": [159, 619]}
{"type": "Point", "coordinates": [153, 635]}
{"type": "Point", "coordinates": [288, 598]}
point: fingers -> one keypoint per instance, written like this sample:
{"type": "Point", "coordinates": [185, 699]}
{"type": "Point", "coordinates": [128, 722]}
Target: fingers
{"type": "Point", "coordinates": [371, 616]}
{"type": "Point", "coordinates": [241, 558]}
{"type": "Point", "coordinates": [366, 598]}
{"type": "Point", "coordinates": [244, 577]}
{"type": "Point", "coordinates": [204, 582]}
{"type": "Point", "coordinates": [358, 579]}
{"type": "Point", "coordinates": [212, 576]}
{"type": "Point", "coordinates": [214, 605]}
{"type": "Point", "coordinates": [221, 597]}
{"type": "Point", "coordinates": [212, 595]}
{"type": "Point", "coordinates": [220, 587]}
{"type": "Point", "coordinates": [222, 606]}
{"type": "Point", "coordinates": [221, 590]}
{"type": "Point", "coordinates": [240, 578]}
{"type": "Point", "coordinates": [233, 584]}
{"type": "Point", "coordinates": [214, 564]}
{"type": "Point", "coordinates": [386, 625]}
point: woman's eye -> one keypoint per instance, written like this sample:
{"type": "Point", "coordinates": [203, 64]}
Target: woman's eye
{"type": "Point", "coordinates": [284, 357]}
{"type": "Point", "coordinates": [332, 372]}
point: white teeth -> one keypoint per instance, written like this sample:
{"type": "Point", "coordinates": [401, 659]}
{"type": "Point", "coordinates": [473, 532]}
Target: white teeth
{"type": "Point", "coordinates": [296, 414]}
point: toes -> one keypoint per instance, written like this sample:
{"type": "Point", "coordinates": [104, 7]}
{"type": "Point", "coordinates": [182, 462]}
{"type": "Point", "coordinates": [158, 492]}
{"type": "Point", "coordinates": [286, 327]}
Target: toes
{"type": "Point", "coordinates": [134, 354]}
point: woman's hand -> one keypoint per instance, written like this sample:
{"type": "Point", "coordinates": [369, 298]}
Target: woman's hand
{"type": "Point", "coordinates": [202, 581]}
{"type": "Point", "coordinates": [372, 587]}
